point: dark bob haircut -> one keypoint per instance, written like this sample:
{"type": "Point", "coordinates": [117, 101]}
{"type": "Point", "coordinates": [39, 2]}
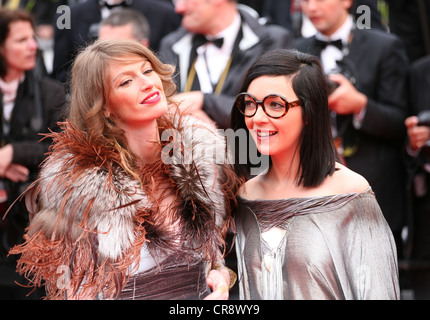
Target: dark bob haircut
{"type": "Point", "coordinates": [317, 151]}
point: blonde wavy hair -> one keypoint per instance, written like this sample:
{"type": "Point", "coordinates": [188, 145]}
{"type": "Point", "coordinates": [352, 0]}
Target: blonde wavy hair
{"type": "Point", "coordinates": [90, 87]}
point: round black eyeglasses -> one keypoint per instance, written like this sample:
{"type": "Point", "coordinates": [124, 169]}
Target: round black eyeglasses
{"type": "Point", "coordinates": [274, 105]}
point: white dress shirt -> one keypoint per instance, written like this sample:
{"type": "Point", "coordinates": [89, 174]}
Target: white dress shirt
{"type": "Point", "coordinates": [211, 60]}
{"type": "Point", "coordinates": [331, 54]}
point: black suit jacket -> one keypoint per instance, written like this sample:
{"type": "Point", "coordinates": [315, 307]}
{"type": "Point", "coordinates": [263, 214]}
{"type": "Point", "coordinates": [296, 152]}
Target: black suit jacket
{"type": "Point", "coordinates": [419, 85]}
{"type": "Point", "coordinates": [40, 98]}
{"type": "Point", "coordinates": [29, 149]}
{"type": "Point", "coordinates": [380, 65]}
{"type": "Point", "coordinates": [175, 49]}
{"type": "Point", "coordinates": [419, 95]}
{"type": "Point", "coordinates": [85, 19]}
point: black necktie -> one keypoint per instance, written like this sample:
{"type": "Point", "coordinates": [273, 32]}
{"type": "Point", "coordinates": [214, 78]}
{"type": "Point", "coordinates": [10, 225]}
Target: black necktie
{"type": "Point", "coordinates": [200, 40]}
{"type": "Point", "coordinates": [321, 44]}
{"type": "Point", "coordinates": [124, 3]}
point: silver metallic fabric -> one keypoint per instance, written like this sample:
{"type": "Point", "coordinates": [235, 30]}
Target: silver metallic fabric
{"type": "Point", "coordinates": [334, 247]}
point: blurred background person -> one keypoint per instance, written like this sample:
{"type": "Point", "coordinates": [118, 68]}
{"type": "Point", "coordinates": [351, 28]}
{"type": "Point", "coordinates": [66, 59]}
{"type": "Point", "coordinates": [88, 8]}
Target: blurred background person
{"type": "Point", "coordinates": [410, 21]}
{"type": "Point", "coordinates": [210, 72]}
{"type": "Point", "coordinates": [368, 70]}
{"type": "Point", "coordinates": [85, 22]}
{"type": "Point", "coordinates": [125, 24]}
{"type": "Point", "coordinates": [44, 12]}
{"type": "Point", "coordinates": [418, 129]}
{"type": "Point", "coordinates": [288, 14]}
{"type": "Point", "coordinates": [30, 103]}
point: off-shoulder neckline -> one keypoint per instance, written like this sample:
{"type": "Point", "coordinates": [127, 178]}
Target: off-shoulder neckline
{"type": "Point", "coordinates": [367, 191]}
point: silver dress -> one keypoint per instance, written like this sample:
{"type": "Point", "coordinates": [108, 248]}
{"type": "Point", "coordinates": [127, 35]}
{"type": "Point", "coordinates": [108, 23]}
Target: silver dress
{"type": "Point", "coordinates": [334, 247]}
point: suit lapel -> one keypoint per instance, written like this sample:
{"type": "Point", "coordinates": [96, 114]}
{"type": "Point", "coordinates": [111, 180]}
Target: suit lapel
{"type": "Point", "coordinates": [356, 47]}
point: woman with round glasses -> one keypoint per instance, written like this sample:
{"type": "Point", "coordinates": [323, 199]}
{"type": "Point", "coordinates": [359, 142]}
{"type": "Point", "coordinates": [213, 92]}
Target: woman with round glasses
{"type": "Point", "coordinates": [307, 228]}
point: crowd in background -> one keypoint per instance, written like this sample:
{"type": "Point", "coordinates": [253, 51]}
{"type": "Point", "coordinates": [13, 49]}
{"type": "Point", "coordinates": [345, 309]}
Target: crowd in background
{"type": "Point", "coordinates": [386, 141]}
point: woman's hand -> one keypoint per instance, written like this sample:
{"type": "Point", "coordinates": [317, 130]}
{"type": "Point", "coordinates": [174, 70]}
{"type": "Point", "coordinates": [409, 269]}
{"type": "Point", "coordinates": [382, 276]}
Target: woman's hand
{"type": "Point", "coordinates": [12, 171]}
{"type": "Point", "coordinates": [6, 156]}
{"type": "Point", "coordinates": [219, 282]}
{"type": "Point", "coordinates": [17, 173]}
{"type": "Point", "coordinates": [418, 135]}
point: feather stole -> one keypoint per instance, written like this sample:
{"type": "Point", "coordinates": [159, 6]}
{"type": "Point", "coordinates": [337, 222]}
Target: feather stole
{"type": "Point", "coordinates": [90, 219]}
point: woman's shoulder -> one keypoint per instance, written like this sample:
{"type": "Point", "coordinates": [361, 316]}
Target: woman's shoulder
{"type": "Point", "coordinates": [77, 159]}
{"type": "Point", "coordinates": [345, 180]}
{"type": "Point", "coordinates": [342, 181]}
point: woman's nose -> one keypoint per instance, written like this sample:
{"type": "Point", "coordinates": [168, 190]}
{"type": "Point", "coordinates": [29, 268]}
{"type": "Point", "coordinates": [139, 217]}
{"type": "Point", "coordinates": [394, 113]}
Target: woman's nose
{"type": "Point", "coordinates": [145, 83]}
{"type": "Point", "coordinates": [260, 116]}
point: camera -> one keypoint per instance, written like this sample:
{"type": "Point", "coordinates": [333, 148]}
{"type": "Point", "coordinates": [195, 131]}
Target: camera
{"type": "Point", "coordinates": [424, 118]}
{"type": "Point", "coordinates": [345, 68]}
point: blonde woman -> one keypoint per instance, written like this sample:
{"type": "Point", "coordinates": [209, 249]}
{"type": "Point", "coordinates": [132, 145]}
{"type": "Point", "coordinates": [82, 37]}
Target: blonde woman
{"type": "Point", "coordinates": [118, 216]}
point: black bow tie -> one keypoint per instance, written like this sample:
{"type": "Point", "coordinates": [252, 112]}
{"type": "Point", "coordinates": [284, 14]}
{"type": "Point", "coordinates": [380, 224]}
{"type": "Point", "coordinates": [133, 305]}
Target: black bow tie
{"type": "Point", "coordinates": [200, 40]}
{"type": "Point", "coordinates": [125, 3]}
{"type": "Point", "coordinates": [321, 44]}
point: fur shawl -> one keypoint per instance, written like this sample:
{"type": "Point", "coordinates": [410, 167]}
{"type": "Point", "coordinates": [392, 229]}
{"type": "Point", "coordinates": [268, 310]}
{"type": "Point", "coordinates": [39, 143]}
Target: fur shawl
{"type": "Point", "coordinates": [90, 218]}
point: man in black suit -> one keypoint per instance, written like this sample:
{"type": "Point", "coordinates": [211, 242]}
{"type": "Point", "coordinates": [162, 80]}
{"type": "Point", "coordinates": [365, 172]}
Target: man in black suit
{"type": "Point", "coordinates": [369, 105]}
{"type": "Point", "coordinates": [210, 72]}
{"type": "Point", "coordinates": [418, 147]}
{"type": "Point", "coordinates": [85, 20]}
{"type": "Point", "coordinates": [410, 21]}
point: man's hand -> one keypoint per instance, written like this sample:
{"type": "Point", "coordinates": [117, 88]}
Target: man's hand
{"type": "Point", "coordinates": [190, 102]}
{"type": "Point", "coordinates": [345, 99]}
{"type": "Point", "coordinates": [418, 135]}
